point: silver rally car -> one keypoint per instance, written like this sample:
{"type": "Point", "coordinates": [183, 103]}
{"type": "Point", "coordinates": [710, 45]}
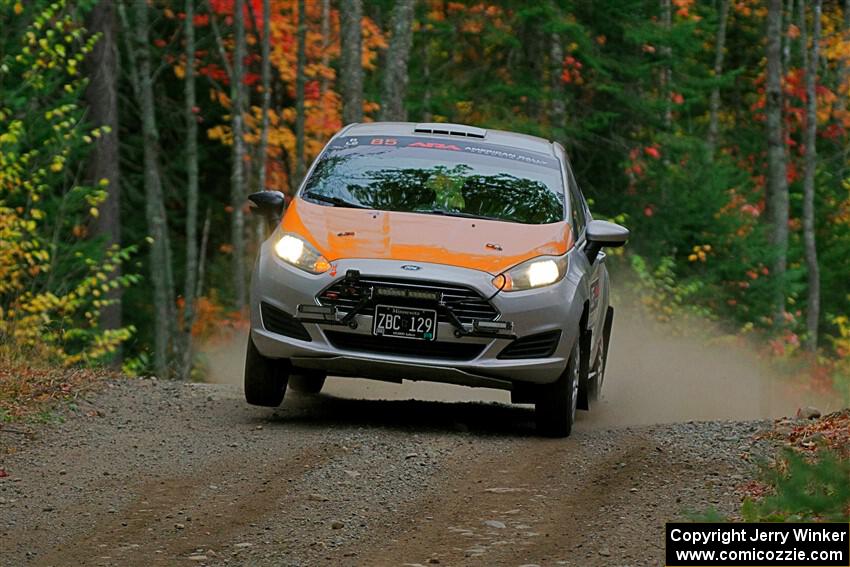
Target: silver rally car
{"type": "Point", "coordinates": [436, 252]}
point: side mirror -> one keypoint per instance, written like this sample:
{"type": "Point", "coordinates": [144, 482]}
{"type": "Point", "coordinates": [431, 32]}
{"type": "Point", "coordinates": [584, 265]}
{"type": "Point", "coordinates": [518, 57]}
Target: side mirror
{"type": "Point", "coordinates": [270, 204]}
{"type": "Point", "coordinates": [603, 233]}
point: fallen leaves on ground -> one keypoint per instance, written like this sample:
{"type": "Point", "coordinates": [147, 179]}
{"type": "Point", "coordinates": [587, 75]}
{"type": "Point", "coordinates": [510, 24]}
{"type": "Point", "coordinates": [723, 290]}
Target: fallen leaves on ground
{"type": "Point", "coordinates": [27, 392]}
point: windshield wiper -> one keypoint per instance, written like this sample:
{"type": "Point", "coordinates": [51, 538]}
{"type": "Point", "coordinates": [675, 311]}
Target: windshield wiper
{"type": "Point", "coordinates": [453, 214]}
{"type": "Point", "coordinates": [335, 201]}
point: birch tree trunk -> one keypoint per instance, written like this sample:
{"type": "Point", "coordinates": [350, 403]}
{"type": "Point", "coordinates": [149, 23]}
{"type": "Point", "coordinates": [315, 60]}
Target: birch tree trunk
{"type": "Point", "coordinates": [786, 38]}
{"type": "Point", "coordinates": [301, 62]}
{"type": "Point", "coordinates": [160, 254]}
{"type": "Point", "coordinates": [351, 68]}
{"type": "Point", "coordinates": [237, 176]}
{"type": "Point", "coordinates": [102, 101]}
{"type": "Point", "coordinates": [810, 64]}
{"type": "Point", "coordinates": [558, 108]}
{"type": "Point", "coordinates": [777, 183]}
{"type": "Point", "coordinates": [190, 283]}
{"type": "Point", "coordinates": [398, 54]}
{"type": "Point", "coordinates": [719, 54]}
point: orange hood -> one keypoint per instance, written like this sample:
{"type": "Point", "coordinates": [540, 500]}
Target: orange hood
{"type": "Point", "coordinates": [486, 245]}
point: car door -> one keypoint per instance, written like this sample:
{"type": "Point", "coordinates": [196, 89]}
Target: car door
{"type": "Point", "coordinates": [598, 275]}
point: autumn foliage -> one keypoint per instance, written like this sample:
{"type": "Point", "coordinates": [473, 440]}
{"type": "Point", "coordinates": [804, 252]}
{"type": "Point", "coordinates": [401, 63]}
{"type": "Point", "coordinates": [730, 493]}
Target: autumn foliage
{"type": "Point", "coordinates": [52, 282]}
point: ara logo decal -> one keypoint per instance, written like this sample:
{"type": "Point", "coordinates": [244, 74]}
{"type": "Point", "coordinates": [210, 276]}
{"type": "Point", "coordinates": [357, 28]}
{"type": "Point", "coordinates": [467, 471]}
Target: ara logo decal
{"type": "Point", "coordinates": [410, 268]}
{"type": "Point", "coordinates": [434, 145]}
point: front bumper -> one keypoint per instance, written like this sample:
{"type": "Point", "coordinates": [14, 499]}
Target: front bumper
{"type": "Point", "coordinates": [553, 308]}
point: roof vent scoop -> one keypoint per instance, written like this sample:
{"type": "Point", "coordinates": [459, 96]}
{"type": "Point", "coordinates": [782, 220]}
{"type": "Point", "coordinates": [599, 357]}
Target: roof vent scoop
{"type": "Point", "coordinates": [450, 130]}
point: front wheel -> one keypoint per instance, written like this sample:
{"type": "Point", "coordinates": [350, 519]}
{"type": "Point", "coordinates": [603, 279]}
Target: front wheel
{"type": "Point", "coordinates": [555, 409]}
{"type": "Point", "coordinates": [265, 378]}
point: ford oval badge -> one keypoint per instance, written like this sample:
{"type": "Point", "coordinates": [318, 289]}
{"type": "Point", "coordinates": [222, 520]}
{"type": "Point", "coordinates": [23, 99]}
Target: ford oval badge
{"type": "Point", "coordinates": [410, 268]}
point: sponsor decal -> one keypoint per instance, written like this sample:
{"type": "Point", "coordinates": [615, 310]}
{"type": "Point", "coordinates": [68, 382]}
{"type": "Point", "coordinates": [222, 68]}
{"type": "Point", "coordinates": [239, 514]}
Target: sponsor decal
{"type": "Point", "coordinates": [364, 143]}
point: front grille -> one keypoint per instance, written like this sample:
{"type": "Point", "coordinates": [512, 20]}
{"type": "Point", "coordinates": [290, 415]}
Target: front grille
{"type": "Point", "coordinates": [282, 323]}
{"type": "Point", "coordinates": [404, 347]}
{"type": "Point", "coordinates": [534, 346]}
{"type": "Point", "coordinates": [467, 304]}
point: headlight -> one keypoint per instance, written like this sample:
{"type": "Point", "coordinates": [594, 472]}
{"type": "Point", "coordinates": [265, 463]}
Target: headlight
{"type": "Point", "coordinates": [295, 250]}
{"type": "Point", "coordinates": [537, 272]}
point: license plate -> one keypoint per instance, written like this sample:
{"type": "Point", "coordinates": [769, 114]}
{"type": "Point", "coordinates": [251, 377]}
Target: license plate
{"type": "Point", "coordinates": [405, 322]}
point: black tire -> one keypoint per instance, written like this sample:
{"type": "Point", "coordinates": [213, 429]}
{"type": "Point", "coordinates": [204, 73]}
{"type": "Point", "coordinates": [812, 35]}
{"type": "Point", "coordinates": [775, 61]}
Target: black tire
{"type": "Point", "coordinates": [265, 378]}
{"type": "Point", "coordinates": [555, 410]}
{"type": "Point", "coordinates": [307, 381]}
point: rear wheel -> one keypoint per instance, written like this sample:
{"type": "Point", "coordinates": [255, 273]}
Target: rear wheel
{"type": "Point", "coordinates": [307, 381]}
{"type": "Point", "coordinates": [265, 378]}
{"type": "Point", "coordinates": [555, 409]}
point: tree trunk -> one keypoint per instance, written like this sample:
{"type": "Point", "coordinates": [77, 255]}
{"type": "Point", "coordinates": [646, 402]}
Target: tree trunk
{"type": "Point", "coordinates": [267, 91]}
{"type": "Point", "coordinates": [786, 38]}
{"type": "Point", "coordinates": [326, 41]}
{"type": "Point", "coordinates": [351, 68]}
{"type": "Point", "coordinates": [667, 53]}
{"type": "Point", "coordinates": [844, 72]}
{"type": "Point", "coordinates": [102, 101]}
{"type": "Point", "coordinates": [154, 205]}
{"type": "Point", "coordinates": [191, 194]}
{"type": "Point", "coordinates": [426, 72]}
{"type": "Point", "coordinates": [237, 176]}
{"type": "Point", "coordinates": [558, 110]}
{"type": "Point", "coordinates": [300, 167]}
{"type": "Point", "coordinates": [777, 184]}
{"type": "Point", "coordinates": [810, 64]}
{"type": "Point", "coordinates": [395, 72]}
{"type": "Point", "coordinates": [719, 53]}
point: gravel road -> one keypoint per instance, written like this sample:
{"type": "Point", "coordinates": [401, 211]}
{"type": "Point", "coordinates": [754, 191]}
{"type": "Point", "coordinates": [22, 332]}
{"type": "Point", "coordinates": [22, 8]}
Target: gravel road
{"type": "Point", "coordinates": [170, 474]}
{"type": "Point", "coordinates": [149, 472]}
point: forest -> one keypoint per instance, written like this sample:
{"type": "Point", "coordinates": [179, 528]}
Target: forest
{"type": "Point", "coordinates": [132, 131]}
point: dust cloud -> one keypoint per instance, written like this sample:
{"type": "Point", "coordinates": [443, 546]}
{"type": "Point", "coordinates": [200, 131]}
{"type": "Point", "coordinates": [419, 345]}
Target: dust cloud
{"type": "Point", "coordinates": [654, 376]}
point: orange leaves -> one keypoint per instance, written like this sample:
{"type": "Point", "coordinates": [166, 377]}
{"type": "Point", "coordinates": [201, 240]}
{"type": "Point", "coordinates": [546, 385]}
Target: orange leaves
{"type": "Point", "coordinates": [683, 10]}
{"type": "Point", "coordinates": [323, 107]}
{"type": "Point", "coordinates": [793, 31]}
{"type": "Point", "coordinates": [572, 71]}
{"type": "Point", "coordinates": [652, 151]}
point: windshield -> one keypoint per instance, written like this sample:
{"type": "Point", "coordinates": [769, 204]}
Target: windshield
{"type": "Point", "coordinates": [462, 178]}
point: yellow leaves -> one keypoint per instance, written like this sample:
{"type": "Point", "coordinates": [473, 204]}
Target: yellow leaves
{"type": "Point", "coordinates": [94, 212]}
{"type": "Point", "coordinates": [222, 133]}
{"type": "Point", "coordinates": [18, 8]}
{"type": "Point", "coordinates": [699, 253]}
{"type": "Point", "coordinates": [179, 71]}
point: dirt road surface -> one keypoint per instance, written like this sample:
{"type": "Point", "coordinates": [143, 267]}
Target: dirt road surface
{"type": "Point", "coordinates": [157, 473]}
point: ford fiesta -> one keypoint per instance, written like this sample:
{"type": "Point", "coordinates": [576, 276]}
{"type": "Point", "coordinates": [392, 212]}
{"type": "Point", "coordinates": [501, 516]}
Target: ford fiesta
{"type": "Point", "coordinates": [435, 252]}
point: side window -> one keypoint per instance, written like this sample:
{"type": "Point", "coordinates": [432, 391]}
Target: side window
{"type": "Point", "coordinates": [577, 210]}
